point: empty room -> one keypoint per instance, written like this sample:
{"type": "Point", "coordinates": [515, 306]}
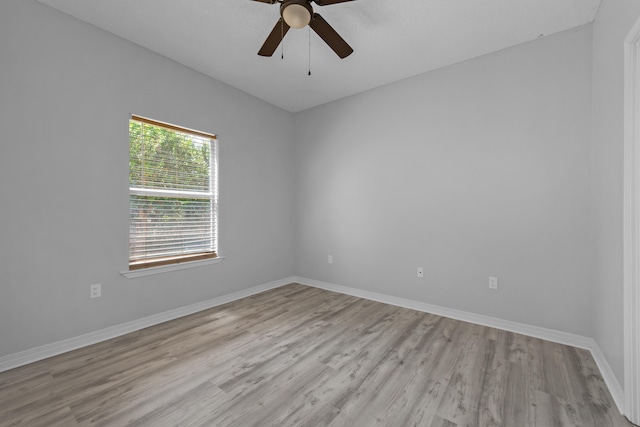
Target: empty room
{"type": "Point", "coordinates": [320, 213]}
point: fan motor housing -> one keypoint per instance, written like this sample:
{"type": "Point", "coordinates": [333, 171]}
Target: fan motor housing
{"type": "Point", "coordinates": [296, 13]}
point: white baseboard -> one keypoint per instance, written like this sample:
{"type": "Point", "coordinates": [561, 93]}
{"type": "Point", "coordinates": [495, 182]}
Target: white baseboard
{"type": "Point", "coordinates": [617, 392]}
{"type": "Point", "coordinates": [48, 350]}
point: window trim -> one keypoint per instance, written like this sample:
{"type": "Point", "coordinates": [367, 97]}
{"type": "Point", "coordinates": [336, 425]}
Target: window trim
{"type": "Point", "coordinates": [157, 265]}
{"type": "Point", "coordinates": [172, 127]}
{"type": "Point", "coordinates": [132, 274]}
{"type": "Point", "coordinates": [170, 260]}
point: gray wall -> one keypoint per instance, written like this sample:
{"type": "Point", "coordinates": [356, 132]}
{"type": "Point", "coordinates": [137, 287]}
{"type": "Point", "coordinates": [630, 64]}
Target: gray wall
{"type": "Point", "coordinates": [475, 170]}
{"type": "Point", "coordinates": [614, 21]}
{"type": "Point", "coordinates": [66, 92]}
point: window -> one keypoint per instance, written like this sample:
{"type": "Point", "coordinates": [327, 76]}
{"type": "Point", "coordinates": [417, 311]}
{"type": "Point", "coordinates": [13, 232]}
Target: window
{"type": "Point", "coordinates": [173, 194]}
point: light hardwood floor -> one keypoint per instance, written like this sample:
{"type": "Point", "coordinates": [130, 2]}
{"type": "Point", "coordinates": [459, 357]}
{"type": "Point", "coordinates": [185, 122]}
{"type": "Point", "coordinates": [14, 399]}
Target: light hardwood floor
{"type": "Point", "coordinates": [300, 356]}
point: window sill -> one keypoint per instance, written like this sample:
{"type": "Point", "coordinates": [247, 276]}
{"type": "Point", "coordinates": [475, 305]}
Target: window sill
{"type": "Point", "coordinates": [132, 274]}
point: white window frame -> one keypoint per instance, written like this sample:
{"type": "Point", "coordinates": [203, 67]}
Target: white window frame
{"type": "Point", "coordinates": [177, 262]}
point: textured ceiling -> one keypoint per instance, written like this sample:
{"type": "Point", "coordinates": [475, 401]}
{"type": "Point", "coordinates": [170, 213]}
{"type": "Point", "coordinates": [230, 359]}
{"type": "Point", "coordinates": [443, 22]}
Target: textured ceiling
{"type": "Point", "coordinates": [392, 39]}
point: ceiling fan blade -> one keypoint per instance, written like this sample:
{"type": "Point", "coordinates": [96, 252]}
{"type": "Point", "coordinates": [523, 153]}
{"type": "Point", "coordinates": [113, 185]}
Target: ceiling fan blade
{"type": "Point", "coordinates": [267, 1]}
{"type": "Point", "coordinates": [275, 37]}
{"type": "Point", "coordinates": [326, 2]}
{"type": "Point", "coordinates": [330, 36]}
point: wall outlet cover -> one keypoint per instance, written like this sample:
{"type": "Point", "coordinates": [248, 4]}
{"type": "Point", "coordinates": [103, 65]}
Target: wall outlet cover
{"type": "Point", "coordinates": [95, 291]}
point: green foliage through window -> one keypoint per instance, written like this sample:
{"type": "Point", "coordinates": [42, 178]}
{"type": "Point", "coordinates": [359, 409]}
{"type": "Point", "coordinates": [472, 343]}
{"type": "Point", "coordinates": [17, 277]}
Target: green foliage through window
{"type": "Point", "coordinates": [162, 158]}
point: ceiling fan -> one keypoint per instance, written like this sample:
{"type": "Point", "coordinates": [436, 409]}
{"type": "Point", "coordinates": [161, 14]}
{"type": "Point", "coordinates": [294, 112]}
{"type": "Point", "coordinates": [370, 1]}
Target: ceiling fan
{"type": "Point", "coordinates": [299, 14]}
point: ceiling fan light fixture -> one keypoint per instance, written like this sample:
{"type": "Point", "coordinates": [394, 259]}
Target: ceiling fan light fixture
{"type": "Point", "coordinates": [299, 14]}
{"type": "Point", "coordinates": [296, 14]}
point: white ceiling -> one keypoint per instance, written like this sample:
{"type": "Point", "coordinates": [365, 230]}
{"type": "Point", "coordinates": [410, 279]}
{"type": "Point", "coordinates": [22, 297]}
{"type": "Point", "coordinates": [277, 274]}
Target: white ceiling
{"type": "Point", "coordinates": [392, 39]}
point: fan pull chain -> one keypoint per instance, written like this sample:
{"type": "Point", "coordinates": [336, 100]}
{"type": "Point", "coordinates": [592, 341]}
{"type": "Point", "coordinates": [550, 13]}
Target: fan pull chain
{"type": "Point", "coordinates": [309, 51]}
{"type": "Point", "coordinates": [282, 39]}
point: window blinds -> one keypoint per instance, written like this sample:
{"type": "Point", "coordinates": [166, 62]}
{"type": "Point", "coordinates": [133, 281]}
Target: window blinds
{"type": "Point", "coordinates": [172, 194]}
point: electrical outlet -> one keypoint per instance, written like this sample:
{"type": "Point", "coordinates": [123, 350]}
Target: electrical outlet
{"type": "Point", "coordinates": [420, 272]}
{"type": "Point", "coordinates": [330, 259]}
{"type": "Point", "coordinates": [96, 291]}
{"type": "Point", "coordinates": [493, 283]}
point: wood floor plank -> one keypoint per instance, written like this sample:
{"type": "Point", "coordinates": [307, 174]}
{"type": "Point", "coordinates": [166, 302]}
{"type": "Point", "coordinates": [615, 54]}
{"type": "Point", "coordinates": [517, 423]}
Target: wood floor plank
{"type": "Point", "coordinates": [493, 398]}
{"type": "Point", "coordinates": [371, 361]}
{"type": "Point", "coordinates": [554, 411]}
{"type": "Point", "coordinates": [462, 398]}
{"type": "Point", "coordinates": [59, 416]}
{"type": "Point", "coordinates": [409, 396]}
{"type": "Point", "coordinates": [440, 422]}
{"type": "Point", "coordinates": [303, 408]}
{"type": "Point", "coordinates": [191, 405]}
{"type": "Point", "coordinates": [278, 393]}
{"type": "Point", "coordinates": [28, 390]}
{"type": "Point", "coordinates": [516, 404]}
{"type": "Point", "coordinates": [596, 404]}
{"type": "Point", "coordinates": [302, 356]}
{"type": "Point", "coordinates": [177, 392]}
{"type": "Point", "coordinates": [442, 346]}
